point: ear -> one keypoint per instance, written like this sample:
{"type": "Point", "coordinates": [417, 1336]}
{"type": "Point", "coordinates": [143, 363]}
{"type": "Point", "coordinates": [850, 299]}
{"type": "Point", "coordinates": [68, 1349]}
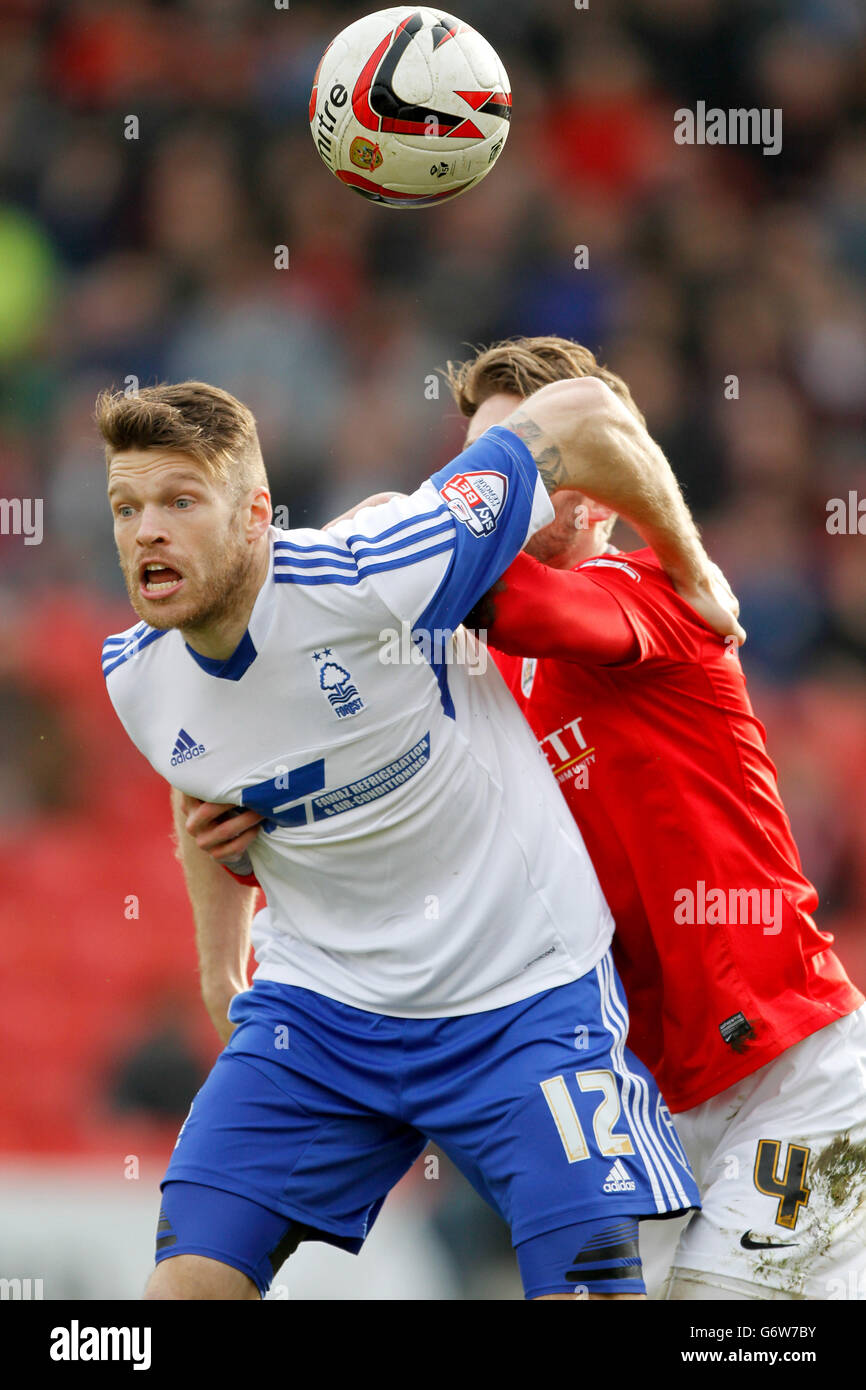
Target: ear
{"type": "Point", "coordinates": [575, 507]}
{"type": "Point", "coordinates": [259, 513]}
{"type": "Point", "coordinates": [597, 511]}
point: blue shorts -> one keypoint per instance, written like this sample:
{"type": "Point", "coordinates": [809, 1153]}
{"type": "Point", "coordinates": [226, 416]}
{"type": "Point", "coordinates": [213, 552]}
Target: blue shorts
{"type": "Point", "coordinates": [315, 1110]}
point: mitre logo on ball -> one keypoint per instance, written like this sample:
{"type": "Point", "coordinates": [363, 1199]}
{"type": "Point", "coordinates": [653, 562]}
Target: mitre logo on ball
{"type": "Point", "coordinates": [410, 107]}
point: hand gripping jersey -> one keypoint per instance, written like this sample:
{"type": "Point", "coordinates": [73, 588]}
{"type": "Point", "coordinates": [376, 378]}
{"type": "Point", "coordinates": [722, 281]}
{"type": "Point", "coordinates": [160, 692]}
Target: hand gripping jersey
{"type": "Point", "coordinates": [644, 717]}
{"type": "Point", "coordinates": [416, 856]}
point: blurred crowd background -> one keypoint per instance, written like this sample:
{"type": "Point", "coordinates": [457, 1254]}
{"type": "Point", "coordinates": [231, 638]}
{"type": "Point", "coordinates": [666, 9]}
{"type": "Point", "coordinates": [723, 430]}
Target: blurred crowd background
{"type": "Point", "coordinates": [154, 258]}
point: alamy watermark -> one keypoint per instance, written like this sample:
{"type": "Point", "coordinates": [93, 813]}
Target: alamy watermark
{"type": "Point", "coordinates": [846, 516]}
{"type": "Point", "coordinates": [737, 126]}
{"type": "Point", "coordinates": [22, 516]}
{"type": "Point", "coordinates": [744, 907]}
{"type": "Point", "coordinates": [22, 1289]}
{"type": "Point", "coordinates": [436, 646]}
{"type": "Point", "coordinates": [77, 1343]}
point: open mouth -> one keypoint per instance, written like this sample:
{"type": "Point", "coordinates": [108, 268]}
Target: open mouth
{"type": "Point", "coordinates": [159, 580]}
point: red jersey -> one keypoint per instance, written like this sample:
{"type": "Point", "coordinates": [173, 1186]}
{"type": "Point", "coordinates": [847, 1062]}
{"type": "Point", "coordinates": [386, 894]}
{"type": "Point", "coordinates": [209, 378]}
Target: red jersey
{"type": "Point", "coordinates": [643, 714]}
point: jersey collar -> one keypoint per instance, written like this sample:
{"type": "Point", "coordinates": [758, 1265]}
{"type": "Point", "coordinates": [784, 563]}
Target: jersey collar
{"type": "Point", "coordinates": [234, 667]}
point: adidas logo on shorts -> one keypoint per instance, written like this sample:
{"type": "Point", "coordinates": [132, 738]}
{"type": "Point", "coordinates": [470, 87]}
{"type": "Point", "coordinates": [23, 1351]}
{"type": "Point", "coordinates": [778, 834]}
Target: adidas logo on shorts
{"type": "Point", "coordinates": [618, 1179]}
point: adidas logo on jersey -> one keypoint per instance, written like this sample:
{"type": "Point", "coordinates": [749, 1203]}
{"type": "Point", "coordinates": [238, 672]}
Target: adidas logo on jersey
{"type": "Point", "coordinates": [185, 749]}
{"type": "Point", "coordinates": [618, 1179]}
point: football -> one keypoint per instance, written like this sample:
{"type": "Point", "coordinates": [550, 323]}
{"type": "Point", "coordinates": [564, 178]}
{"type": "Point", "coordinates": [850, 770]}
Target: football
{"type": "Point", "coordinates": [410, 107]}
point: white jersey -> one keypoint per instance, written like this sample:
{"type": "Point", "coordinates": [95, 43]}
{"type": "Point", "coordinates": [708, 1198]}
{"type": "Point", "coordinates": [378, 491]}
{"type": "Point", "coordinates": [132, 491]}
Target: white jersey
{"type": "Point", "coordinates": [417, 856]}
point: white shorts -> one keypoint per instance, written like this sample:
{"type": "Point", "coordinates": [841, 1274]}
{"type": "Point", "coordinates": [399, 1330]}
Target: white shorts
{"type": "Point", "coordinates": [780, 1159]}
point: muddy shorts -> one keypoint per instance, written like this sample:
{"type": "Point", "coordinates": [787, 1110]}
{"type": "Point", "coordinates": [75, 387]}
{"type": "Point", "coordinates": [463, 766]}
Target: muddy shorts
{"type": "Point", "coordinates": [780, 1160]}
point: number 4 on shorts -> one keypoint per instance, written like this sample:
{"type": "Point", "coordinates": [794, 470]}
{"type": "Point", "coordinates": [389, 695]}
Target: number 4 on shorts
{"type": "Point", "coordinates": [791, 1188]}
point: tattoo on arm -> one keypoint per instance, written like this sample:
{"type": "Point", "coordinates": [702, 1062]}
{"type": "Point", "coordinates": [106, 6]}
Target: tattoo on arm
{"type": "Point", "coordinates": [547, 455]}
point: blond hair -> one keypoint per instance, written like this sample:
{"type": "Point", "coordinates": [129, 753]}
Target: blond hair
{"type": "Point", "coordinates": [521, 366]}
{"type": "Point", "coordinates": [204, 422]}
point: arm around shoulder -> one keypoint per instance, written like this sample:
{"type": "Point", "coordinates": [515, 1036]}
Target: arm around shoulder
{"type": "Point", "coordinates": [223, 911]}
{"type": "Point", "coordinates": [583, 436]}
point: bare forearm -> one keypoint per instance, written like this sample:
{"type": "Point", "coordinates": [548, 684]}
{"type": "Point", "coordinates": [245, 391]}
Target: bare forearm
{"type": "Point", "coordinates": [583, 437]}
{"type": "Point", "coordinates": [223, 910]}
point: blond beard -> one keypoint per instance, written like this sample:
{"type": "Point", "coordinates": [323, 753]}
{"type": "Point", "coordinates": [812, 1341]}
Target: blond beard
{"type": "Point", "coordinates": [225, 589]}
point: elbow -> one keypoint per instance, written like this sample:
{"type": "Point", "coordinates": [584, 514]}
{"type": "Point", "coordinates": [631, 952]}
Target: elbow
{"type": "Point", "coordinates": [603, 427]}
{"type": "Point", "coordinates": [577, 395]}
{"type": "Point", "coordinates": [595, 403]}
{"type": "Point", "coordinates": [579, 407]}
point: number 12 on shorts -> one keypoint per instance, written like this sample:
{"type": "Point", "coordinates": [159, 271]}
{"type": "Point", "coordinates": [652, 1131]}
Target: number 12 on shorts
{"type": "Point", "coordinates": [607, 1113]}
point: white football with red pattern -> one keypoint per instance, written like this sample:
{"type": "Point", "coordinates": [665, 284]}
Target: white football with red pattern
{"type": "Point", "coordinates": [410, 107]}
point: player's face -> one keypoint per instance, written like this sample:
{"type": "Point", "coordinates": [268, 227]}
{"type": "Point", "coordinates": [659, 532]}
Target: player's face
{"type": "Point", "coordinates": [566, 536]}
{"type": "Point", "coordinates": [179, 537]}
